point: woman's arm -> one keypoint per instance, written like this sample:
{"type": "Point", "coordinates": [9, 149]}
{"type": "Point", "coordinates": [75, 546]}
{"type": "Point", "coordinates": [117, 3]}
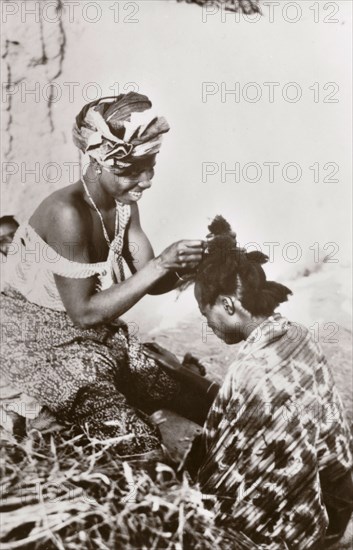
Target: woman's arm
{"type": "Point", "coordinates": [138, 252]}
{"type": "Point", "coordinates": [86, 307]}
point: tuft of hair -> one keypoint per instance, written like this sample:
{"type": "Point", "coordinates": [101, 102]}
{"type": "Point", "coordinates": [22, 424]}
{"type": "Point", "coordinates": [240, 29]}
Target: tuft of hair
{"type": "Point", "coordinates": [229, 269]}
{"type": "Point", "coordinates": [257, 257]}
{"type": "Point", "coordinates": [11, 220]}
{"type": "Point", "coordinates": [265, 300]}
{"type": "Point", "coordinates": [221, 245]}
{"type": "Point", "coordinates": [219, 226]}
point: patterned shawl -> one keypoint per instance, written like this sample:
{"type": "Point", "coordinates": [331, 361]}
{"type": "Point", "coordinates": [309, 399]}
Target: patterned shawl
{"type": "Point", "coordinates": [275, 424]}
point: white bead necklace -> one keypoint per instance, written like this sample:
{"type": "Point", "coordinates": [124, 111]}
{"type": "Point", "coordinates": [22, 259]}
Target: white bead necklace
{"type": "Point", "coordinates": [111, 244]}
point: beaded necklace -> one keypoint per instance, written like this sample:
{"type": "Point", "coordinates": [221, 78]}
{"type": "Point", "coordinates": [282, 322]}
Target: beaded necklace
{"type": "Point", "coordinates": [113, 245]}
{"type": "Point", "coordinates": [105, 233]}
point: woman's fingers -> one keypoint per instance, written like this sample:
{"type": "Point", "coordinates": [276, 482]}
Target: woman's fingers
{"type": "Point", "coordinates": [193, 244]}
{"type": "Point", "coordinates": [191, 254]}
{"type": "Point", "coordinates": [191, 247]}
{"type": "Point", "coordinates": [190, 258]}
{"type": "Point", "coordinates": [185, 254]}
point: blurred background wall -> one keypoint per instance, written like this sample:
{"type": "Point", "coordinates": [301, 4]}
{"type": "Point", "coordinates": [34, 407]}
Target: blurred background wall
{"type": "Point", "coordinates": [61, 54]}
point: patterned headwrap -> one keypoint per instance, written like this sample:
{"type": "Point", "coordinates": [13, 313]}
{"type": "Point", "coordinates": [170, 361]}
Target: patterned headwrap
{"type": "Point", "coordinates": [118, 131]}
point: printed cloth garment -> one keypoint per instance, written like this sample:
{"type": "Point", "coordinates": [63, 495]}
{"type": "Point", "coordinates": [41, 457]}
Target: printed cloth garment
{"type": "Point", "coordinates": [84, 376]}
{"type": "Point", "coordinates": [275, 427]}
{"type": "Point", "coordinates": [119, 131]}
{"type": "Point", "coordinates": [32, 263]}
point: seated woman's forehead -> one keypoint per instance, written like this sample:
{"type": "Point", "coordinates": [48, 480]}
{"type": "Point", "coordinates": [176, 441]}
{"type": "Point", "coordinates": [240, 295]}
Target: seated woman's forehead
{"type": "Point", "coordinates": [140, 166]}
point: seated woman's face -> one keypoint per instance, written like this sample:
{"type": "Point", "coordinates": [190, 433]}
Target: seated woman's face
{"type": "Point", "coordinates": [224, 318]}
{"type": "Point", "coordinates": [128, 187]}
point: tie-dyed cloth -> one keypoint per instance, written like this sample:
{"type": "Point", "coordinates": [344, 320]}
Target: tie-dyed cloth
{"type": "Point", "coordinates": [276, 424]}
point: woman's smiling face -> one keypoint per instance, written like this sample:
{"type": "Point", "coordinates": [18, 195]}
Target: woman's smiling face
{"type": "Point", "coordinates": [128, 187]}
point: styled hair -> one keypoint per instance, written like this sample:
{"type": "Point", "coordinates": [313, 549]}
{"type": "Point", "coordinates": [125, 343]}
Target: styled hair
{"type": "Point", "coordinates": [229, 269]}
{"type": "Point", "coordinates": [11, 220]}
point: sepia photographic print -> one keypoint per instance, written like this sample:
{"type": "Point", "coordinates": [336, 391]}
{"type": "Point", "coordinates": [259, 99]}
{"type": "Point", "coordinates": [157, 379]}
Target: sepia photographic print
{"type": "Point", "coordinates": [175, 262]}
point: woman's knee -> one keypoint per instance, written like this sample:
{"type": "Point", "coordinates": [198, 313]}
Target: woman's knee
{"type": "Point", "coordinates": [105, 414]}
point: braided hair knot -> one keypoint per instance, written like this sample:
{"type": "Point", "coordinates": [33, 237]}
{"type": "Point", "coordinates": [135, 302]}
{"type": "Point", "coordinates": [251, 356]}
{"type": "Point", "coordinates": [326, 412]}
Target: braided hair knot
{"type": "Point", "coordinates": [229, 269]}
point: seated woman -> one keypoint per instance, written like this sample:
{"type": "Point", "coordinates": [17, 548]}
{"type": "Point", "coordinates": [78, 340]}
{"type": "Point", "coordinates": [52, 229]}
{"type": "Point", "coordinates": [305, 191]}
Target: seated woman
{"type": "Point", "coordinates": [275, 445]}
{"type": "Point", "coordinates": [63, 344]}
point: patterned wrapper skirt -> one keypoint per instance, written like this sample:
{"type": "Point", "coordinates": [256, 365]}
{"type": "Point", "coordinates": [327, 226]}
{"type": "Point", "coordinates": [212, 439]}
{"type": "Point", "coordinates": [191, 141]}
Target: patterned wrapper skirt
{"type": "Point", "coordinates": [98, 378]}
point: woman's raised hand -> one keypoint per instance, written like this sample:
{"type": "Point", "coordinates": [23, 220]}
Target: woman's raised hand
{"type": "Point", "coordinates": [182, 256]}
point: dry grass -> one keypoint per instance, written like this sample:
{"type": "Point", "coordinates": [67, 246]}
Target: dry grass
{"type": "Point", "coordinates": [64, 492]}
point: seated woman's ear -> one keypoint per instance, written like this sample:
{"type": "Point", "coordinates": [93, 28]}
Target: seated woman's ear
{"type": "Point", "coordinates": [228, 304]}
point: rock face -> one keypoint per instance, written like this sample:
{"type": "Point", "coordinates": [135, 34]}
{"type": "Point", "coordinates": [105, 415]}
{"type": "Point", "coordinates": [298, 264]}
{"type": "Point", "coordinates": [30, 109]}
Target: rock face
{"type": "Point", "coordinates": [33, 46]}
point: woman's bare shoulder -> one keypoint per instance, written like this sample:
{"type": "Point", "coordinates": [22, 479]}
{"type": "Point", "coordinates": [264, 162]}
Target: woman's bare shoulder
{"type": "Point", "coordinates": [63, 215]}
